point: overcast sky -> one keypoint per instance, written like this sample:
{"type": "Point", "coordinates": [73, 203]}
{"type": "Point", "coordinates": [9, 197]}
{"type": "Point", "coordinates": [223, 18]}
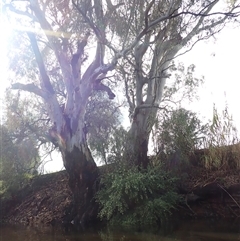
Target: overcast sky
{"type": "Point", "coordinates": [218, 62]}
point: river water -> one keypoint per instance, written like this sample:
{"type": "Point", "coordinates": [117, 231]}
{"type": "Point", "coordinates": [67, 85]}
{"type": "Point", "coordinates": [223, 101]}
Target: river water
{"type": "Point", "coordinates": [207, 230]}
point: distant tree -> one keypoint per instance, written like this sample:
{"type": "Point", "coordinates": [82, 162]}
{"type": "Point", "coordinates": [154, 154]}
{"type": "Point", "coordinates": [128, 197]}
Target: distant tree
{"type": "Point", "coordinates": [26, 120]}
{"type": "Point", "coordinates": [102, 119]}
{"type": "Point", "coordinates": [16, 159]}
{"type": "Point", "coordinates": [74, 47]}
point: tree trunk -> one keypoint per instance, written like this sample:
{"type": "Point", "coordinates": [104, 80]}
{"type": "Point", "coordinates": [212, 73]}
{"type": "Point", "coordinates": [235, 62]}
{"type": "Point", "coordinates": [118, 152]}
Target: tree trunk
{"type": "Point", "coordinates": [138, 136]}
{"type": "Point", "coordinates": [83, 181]}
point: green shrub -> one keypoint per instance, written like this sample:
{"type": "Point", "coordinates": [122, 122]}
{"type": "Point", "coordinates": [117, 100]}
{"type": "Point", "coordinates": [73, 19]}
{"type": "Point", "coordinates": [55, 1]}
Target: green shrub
{"type": "Point", "coordinates": [181, 132]}
{"type": "Point", "coordinates": [222, 142]}
{"type": "Point", "coordinates": [140, 198]}
{"type": "Point", "coordinates": [14, 184]}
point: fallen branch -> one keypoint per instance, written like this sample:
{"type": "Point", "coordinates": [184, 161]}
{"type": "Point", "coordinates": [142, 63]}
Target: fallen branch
{"type": "Point", "coordinates": [186, 202]}
{"type": "Point", "coordinates": [229, 195]}
{"type": "Point", "coordinates": [233, 211]}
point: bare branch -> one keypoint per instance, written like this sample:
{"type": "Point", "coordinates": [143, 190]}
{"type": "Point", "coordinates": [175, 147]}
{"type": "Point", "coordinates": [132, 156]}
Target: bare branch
{"type": "Point", "coordinates": [53, 41]}
{"type": "Point", "coordinates": [147, 13]}
{"type": "Point", "coordinates": [42, 20]}
{"type": "Point", "coordinates": [30, 88]}
{"type": "Point", "coordinates": [55, 112]}
{"type": "Point", "coordinates": [45, 83]}
{"type": "Point", "coordinates": [27, 14]}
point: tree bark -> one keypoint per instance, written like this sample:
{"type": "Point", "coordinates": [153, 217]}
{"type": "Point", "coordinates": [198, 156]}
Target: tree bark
{"type": "Point", "coordinates": [83, 181]}
{"type": "Point", "coordinates": [138, 136]}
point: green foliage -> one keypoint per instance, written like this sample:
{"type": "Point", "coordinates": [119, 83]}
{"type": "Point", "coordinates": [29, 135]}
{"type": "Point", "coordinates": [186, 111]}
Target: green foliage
{"type": "Point", "coordinates": [222, 130]}
{"type": "Point", "coordinates": [183, 85]}
{"type": "Point", "coordinates": [181, 132]}
{"type": "Point", "coordinates": [18, 160]}
{"type": "Point", "coordinates": [177, 131]}
{"type": "Point", "coordinates": [102, 121]}
{"type": "Point", "coordinates": [117, 142]}
{"type": "Point", "coordinates": [15, 183]}
{"type": "Point", "coordinates": [139, 198]}
{"type": "Point", "coordinates": [222, 142]}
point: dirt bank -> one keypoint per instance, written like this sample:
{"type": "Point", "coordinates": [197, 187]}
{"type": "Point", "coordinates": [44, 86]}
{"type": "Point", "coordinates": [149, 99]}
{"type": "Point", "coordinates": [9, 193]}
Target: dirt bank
{"type": "Point", "coordinates": [47, 199]}
{"type": "Point", "coordinates": [44, 200]}
{"type": "Point", "coordinates": [208, 193]}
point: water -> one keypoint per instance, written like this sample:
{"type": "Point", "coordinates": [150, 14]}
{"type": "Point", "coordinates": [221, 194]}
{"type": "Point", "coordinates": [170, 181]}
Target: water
{"type": "Point", "coordinates": [186, 231]}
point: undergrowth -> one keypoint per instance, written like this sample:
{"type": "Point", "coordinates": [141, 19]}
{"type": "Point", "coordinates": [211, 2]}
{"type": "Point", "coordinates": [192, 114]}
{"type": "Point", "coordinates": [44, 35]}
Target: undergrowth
{"type": "Point", "coordinates": [140, 198]}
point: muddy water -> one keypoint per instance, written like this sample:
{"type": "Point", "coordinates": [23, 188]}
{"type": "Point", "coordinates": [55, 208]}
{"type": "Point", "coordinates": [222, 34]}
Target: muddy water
{"type": "Point", "coordinates": [206, 230]}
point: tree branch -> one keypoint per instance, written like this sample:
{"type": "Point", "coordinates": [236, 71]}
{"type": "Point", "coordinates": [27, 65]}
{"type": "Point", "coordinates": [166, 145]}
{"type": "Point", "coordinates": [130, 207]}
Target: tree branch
{"type": "Point", "coordinates": [200, 21]}
{"type": "Point", "coordinates": [54, 111]}
{"type": "Point", "coordinates": [76, 59]}
{"type": "Point", "coordinates": [53, 41]}
{"type": "Point", "coordinates": [98, 86]}
{"type": "Point", "coordinates": [43, 22]}
{"type": "Point", "coordinates": [45, 83]}
{"type": "Point", "coordinates": [88, 20]}
{"type": "Point", "coordinates": [30, 88]}
{"type": "Point", "coordinates": [147, 13]}
{"type": "Point", "coordinates": [131, 103]}
{"type": "Point", "coordinates": [11, 8]}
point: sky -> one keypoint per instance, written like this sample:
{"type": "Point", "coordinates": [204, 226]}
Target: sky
{"type": "Point", "coordinates": [216, 59]}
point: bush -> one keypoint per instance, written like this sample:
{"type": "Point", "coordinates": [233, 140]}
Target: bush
{"type": "Point", "coordinates": [13, 185]}
{"type": "Point", "coordinates": [222, 142]}
{"type": "Point", "coordinates": [183, 131]}
{"type": "Point", "coordinates": [140, 198]}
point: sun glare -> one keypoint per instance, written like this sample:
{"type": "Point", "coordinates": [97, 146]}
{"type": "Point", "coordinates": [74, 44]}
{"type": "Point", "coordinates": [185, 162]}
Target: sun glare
{"type": "Point", "coordinates": [6, 31]}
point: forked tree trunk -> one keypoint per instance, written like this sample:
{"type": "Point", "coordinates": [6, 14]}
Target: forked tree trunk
{"type": "Point", "coordinates": [83, 181]}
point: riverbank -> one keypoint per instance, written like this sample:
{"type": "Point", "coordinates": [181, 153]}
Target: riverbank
{"type": "Point", "coordinates": [47, 199]}
{"type": "Point", "coordinates": [44, 200]}
{"type": "Point", "coordinates": [214, 194]}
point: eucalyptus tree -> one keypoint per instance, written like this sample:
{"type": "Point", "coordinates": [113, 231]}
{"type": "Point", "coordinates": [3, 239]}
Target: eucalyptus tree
{"type": "Point", "coordinates": [75, 45]}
